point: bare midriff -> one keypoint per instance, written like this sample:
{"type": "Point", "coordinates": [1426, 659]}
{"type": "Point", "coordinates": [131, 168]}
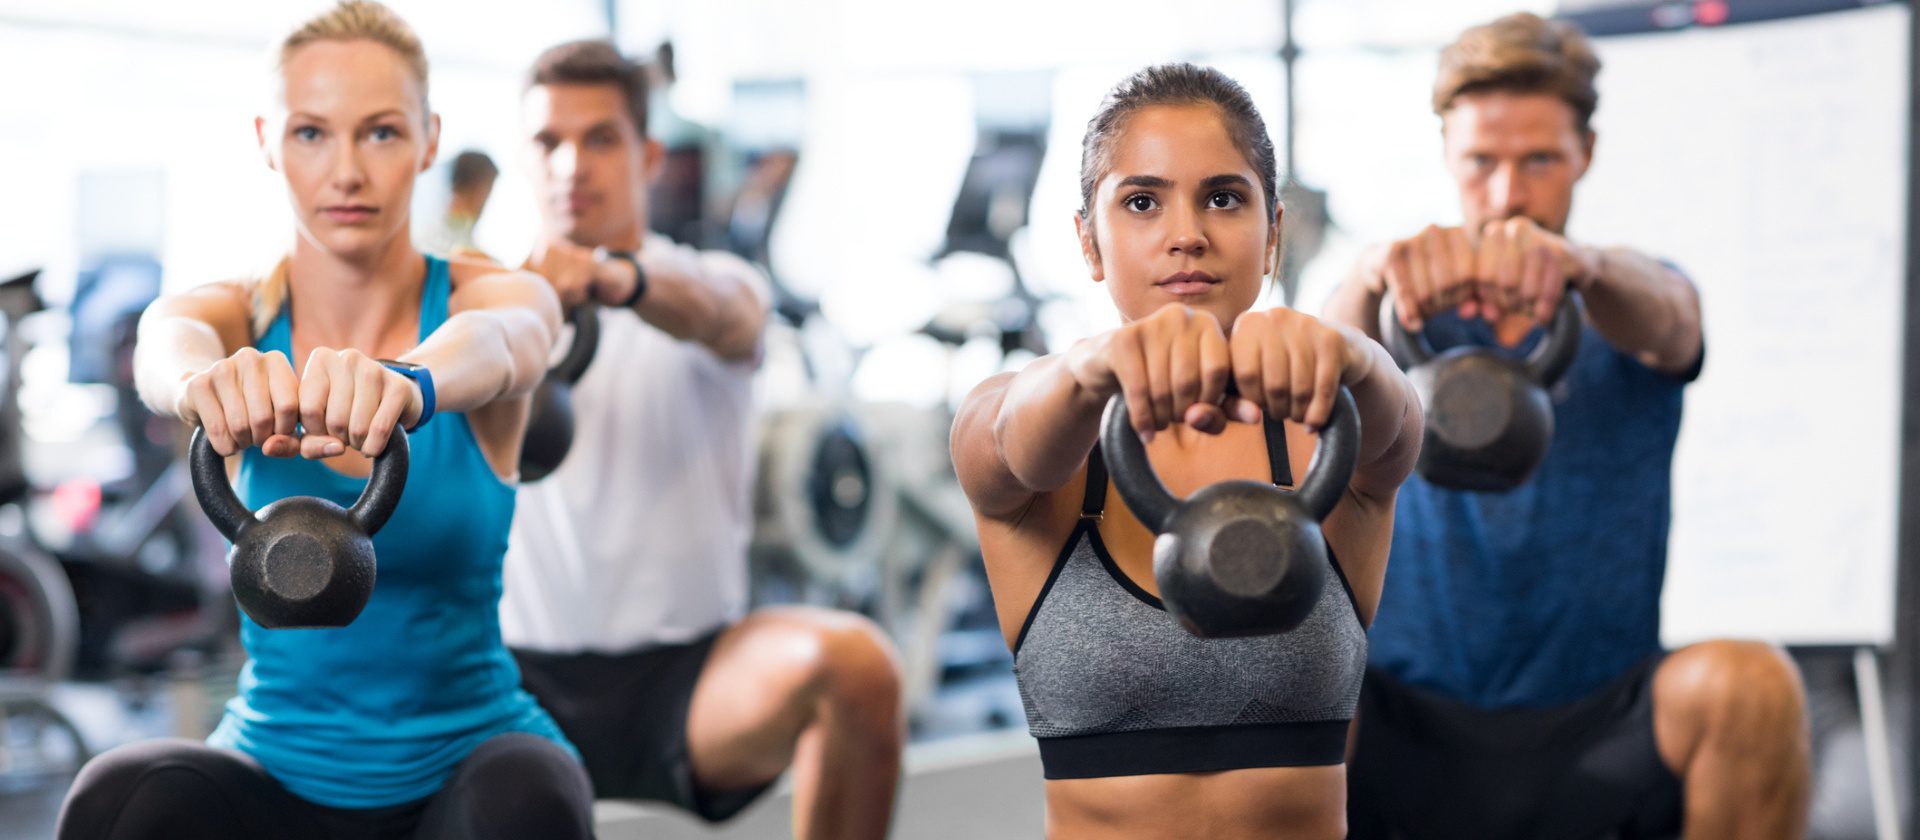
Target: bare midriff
{"type": "Point", "coordinates": [1307, 803]}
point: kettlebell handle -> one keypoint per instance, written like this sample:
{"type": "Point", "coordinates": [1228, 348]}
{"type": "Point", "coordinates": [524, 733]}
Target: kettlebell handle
{"type": "Point", "coordinates": [1546, 364]}
{"type": "Point", "coordinates": [585, 319]}
{"type": "Point", "coordinates": [1327, 476]}
{"type": "Point", "coordinates": [228, 514]}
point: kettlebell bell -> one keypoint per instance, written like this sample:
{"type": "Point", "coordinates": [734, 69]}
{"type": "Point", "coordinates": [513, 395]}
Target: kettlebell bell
{"type": "Point", "coordinates": [1237, 558]}
{"type": "Point", "coordinates": [550, 419]}
{"type": "Point", "coordinates": [1489, 421]}
{"type": "Point", "coordinates": [301, 561]}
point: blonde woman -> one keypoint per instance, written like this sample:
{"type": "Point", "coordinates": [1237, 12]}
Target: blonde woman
{"type": "Point", "coordinates": [410, 721]}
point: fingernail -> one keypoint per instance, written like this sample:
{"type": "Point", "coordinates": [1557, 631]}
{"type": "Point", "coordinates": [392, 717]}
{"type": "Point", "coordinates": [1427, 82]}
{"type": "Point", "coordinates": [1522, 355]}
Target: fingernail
{"type": "Point", "coordinates": [333, 449]}
{"type": "Point", "coordinates": [1146, 436]}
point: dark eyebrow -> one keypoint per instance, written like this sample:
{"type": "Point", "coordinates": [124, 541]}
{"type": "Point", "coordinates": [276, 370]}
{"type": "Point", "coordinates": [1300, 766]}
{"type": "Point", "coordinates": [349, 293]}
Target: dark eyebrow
{"type": "Point", "coordinates": [1152, 182]}
{"type": "Point", "coordinates": [603, 125]}
{"type": "Point", "coordinates": [1218, 181]}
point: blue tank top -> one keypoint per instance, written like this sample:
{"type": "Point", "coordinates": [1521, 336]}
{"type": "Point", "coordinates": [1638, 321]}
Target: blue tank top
{"type": "Point", "coordinates": [1539, 596]}
{"type": "Point", "coordinates": [380, 712]}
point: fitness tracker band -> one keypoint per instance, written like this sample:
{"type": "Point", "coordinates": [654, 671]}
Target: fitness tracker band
{"type": "Point", "coordinates": [422, 377]}
{"type": "Point", "coordinates": [639, 275]}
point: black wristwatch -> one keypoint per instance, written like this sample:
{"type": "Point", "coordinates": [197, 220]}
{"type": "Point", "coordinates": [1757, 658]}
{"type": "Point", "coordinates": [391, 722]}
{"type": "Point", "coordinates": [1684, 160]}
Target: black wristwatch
{"type": "Point", "coordinates": [639, 274]}
{"type": "Point", "coordinates": [420, 376]}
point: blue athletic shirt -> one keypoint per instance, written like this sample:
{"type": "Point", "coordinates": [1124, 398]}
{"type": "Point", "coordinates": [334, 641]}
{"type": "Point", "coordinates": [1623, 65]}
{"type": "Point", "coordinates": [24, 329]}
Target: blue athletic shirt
{"type": "Point", "coordinates": [380, 712]}
{"type": "Point", "coordinates": [1540, 596]}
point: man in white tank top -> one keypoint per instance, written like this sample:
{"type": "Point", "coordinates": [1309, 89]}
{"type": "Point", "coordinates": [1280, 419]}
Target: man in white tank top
{"type": "Point", "coordinates": [626, 571]}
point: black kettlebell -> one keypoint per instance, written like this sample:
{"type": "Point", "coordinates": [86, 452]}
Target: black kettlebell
{"type": "Point", "coordinates": [1237, 558]}
{"type": "Point", "coordinates": [301, 561]}
{"type": "Point", "coordinates": [1489, 421]}
{"type": "Point", "coordinates": [550, 419]}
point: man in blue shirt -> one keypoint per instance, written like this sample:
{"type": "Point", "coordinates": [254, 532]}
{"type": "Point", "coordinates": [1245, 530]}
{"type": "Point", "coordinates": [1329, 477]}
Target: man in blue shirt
{"type": "Point", "coordinates": [1516, 685]}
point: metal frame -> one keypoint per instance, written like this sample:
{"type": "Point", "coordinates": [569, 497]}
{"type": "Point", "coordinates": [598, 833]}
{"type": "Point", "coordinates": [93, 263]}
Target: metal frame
{"type": "Point", "coordinates": [1907, 580]}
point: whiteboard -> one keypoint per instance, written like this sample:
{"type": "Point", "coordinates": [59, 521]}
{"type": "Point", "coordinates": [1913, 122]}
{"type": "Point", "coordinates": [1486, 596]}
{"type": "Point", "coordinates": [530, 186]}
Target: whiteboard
{"type": "Point", "coordinates": [1768, 162]}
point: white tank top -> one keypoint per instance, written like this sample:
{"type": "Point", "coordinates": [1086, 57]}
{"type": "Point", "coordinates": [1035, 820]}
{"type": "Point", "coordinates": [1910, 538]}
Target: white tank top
{"type": "Point", "coordinates": [640, 536]}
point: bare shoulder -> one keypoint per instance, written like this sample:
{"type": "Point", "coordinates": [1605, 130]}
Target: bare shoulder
{"type": "Point", "coordinates": [225, 305]}
{"type": "Point", "coordinates": [989, 484]}
{"type": "Point", "coordinates": [977, 412]}
{"type": "Point", "coordinates": [468, 266]}
{"type": "Point", "coordinates": [236, 292]}
{"type": "Point", "coordinates": [480, 283]}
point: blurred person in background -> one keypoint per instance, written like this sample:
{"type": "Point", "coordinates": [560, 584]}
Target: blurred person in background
{"type": "Point", "coordinates": [472, 184]}
{"type": "Point", "coordinates": [627, 572]}
{"type": "Point", "coordinates": [1517, 686]}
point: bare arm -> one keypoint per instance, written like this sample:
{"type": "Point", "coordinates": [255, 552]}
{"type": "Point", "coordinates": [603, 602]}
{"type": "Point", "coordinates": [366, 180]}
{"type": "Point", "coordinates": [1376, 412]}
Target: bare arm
{"type": "Point", "coordinates": [1391, 421]}
{"type": "Point", "coordinates": [716, 299]}
{"type": "Point", "coordinates": [1644, 309]}
{"type": "Point", "coordinates": [1022, 434]}
{"type": "Point", "coordinates": [1356, 301]}
{"type": "Point", "coordinates": [1293, 364]}
{"type": "Point", "coordinates": [185, 333]}
{"type": "Point", "coordinates": [495, 342]}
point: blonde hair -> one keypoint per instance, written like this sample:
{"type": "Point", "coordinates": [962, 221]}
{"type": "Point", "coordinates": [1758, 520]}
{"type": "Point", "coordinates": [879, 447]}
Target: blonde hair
{"type": "Point", "coordinates": [1522, 53]}
{"type": "Point", "coordinates": [360, 20]}
{"type": "Point", "coordinates": [349, 20]}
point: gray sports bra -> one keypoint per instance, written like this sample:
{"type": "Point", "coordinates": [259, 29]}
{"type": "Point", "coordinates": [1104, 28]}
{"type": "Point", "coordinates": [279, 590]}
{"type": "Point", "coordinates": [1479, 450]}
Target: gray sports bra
{"type": "Point", "coordinates": [1113, 686]}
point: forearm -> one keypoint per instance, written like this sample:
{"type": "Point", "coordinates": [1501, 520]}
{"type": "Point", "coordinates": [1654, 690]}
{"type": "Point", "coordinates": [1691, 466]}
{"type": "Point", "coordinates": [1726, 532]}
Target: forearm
{"type": "Point", "coordinates": [483, 355]}
{"type": "Point", "coordinates": [1046, 425]}
{"type": "Point", "coordinates": [169, 349]}
{"type": "Point", "coordinates": [1354, 304]}
{"type": "Point", "coordinates": [1644, 309]}
{"type": "Point", "coordinates": [714, 304]}
{"type": "Point", "coordinates": [1391, 420]}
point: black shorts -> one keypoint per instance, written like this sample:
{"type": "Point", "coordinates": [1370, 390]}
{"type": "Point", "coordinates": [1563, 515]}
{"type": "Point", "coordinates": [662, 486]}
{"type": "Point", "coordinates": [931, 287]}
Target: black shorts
{"type": "Point", "coordinates": [512, 786]}
{"type": "Point", "coordinates": [627, 714]}
{"type": "Point", "coordinates": [1426, 767]}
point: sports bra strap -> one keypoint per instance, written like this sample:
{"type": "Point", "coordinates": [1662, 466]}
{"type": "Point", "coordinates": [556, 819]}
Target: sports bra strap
{"type": "Point", "coordinates": [1095, 500]}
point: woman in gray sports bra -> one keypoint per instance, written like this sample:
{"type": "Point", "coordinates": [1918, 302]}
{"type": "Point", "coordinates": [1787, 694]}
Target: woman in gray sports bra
{"type": "Point", "coordinates": [1145, 730]}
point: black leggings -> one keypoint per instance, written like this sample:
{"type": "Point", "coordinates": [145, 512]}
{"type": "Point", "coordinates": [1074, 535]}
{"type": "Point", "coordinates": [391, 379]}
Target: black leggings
{"type": "Point", "coordinates": [512, 786]}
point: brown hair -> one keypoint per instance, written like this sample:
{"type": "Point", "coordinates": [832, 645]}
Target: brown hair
{"type": "Point", "coordinates": [1521, 53]}
{"type": "Point", "coordinates": [471, 169]}
{"type": "Point", "coordinates": [595, 63]}
{"type": "Point", "coordinates": [1177, 84]}
{"type": "Point", "coordinates": [350, 20]}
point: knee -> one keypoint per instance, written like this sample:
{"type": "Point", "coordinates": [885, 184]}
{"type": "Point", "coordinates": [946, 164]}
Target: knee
{"type": "Point", "coordinates": [847, 661]}
{"type": "Point", "coordinates": [116, 774]}
{"type": "Point", "coordinates": [525, 786]}
{"type": "Point", "coordinates": [1739, 684]}
{"type": "Point", "coordinates": [155, 779]}
{"type": "Point", "coordinates": [862, 665]}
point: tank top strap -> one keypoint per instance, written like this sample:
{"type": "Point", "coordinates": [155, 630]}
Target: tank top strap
{"type": "Point", "coordinates": [279, 334]}
{"type": "Point", "coordinates": [433, 295]}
